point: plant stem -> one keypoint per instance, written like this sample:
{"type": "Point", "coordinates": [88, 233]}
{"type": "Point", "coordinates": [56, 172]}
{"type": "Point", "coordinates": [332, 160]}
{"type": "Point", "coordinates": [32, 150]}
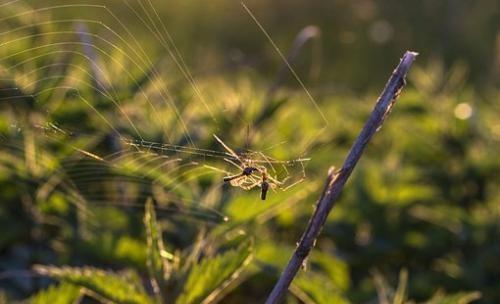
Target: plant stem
{"type": "Point", "coordinates": [336, 180]}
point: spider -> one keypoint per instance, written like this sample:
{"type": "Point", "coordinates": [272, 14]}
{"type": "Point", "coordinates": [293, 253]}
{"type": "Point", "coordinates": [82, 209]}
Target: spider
{"type": "Point", "coordinates": [252, 174]}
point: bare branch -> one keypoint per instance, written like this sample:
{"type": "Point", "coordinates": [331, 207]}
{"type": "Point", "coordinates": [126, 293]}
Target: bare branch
{"type": "Point", "coordinates": [336, 180]}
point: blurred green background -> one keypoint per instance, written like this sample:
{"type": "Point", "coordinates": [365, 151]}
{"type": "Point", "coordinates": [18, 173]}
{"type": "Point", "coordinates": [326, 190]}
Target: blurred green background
{"type": "Point", "coordinates": [86, 87]}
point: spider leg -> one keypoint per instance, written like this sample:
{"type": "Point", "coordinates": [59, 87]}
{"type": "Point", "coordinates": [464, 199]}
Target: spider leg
{"type": "Point", "coordinates": [248, 180]}
{"type": "Point", "coordinates": [290, 186]}
{"type": "Point", "coordinates": [251, 186]}
{"type": "Point", "coordinates": [231, 152]}
{"type": "Point", "coordinates": [275, 181]}
{"type": "Point", "coordinates": [267, 161]}
{"type": "Point", "coordinates": [238, 182]}
{"type": "Point", "coordinates": [217, 169]}
{"type": "Point", "coordinates": [234, 164]}
{"type": "Point", "coordinates": [268, 176]}
{"type": "Point", "coordinates": [232, 177]}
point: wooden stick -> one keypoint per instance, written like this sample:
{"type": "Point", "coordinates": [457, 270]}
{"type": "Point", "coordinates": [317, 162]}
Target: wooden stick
{"type": "Point", "coordinates": [336, 179]}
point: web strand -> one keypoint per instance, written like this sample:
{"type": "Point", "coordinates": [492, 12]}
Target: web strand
{"type": "Point", "coordinates": [60, 64]}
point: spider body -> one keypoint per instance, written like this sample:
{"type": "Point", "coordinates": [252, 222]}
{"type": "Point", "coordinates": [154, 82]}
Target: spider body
{"type": "Point", "coordinates": [264, 186]}
{"type": "Point", "coordinates": [247, 171]}
{"type": "Point", "coordinates": [252, 174]}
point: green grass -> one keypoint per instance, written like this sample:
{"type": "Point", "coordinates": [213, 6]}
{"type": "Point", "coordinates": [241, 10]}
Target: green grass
{"type": "Point", "coordinates": [106, 220]}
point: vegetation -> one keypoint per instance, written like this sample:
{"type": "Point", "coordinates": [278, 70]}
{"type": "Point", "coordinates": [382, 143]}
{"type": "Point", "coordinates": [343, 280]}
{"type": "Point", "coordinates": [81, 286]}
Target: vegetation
{"type": "Point", "coordinates": [111, 181]}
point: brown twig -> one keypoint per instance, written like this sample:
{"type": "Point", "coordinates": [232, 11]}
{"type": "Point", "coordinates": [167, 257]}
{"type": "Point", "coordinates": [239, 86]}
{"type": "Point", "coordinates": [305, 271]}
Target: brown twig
{"type": "Point", "coordinates": [336, 180]}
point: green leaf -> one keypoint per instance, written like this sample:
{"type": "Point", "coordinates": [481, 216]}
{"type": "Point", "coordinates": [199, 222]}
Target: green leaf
{"type": "Point", "coordinates": [115, 287]}
{"type": "Point", "coordinates": [313, 287]}
{"type": "Point", "coordinates": [457, 298]}
{"type": "Point", "coordinates": [400, 295]}
{"type": "Point", "coordinates": [58, 294]}
{"type": "Point", "coordinates": [158, 266]}
{"type": "Point", "coordinates": [209, 278]}
{"type": "Point", "coordinates": [334, 269]}
{"type": "Point", "coordinates": [325, 280]}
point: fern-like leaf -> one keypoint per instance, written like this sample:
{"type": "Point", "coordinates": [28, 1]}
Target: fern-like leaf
{"type": "Point", "coordinates": [114, 287]}
{"type": "Point", "coordinates": [158, 266]}
{"type": "Point", "coordinates": [313, 287]}
{"type": "Point", "coordinates": [209, 278]}
{"type": "Point", "coordinates": [58, 294]}
{"type": "Point", "coordinates": [457, 298]}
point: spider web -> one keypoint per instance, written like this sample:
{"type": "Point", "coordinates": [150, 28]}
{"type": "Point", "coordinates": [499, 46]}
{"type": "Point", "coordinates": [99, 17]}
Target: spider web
{"type": "Point", "coordinates": [145, 124]}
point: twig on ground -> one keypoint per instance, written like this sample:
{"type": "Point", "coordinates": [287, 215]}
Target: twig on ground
{"type": "Point", "coordinates": [336, 179]}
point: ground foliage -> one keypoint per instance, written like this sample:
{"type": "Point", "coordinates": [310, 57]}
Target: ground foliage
{"type": "Point", "coordinates": [85, 215]}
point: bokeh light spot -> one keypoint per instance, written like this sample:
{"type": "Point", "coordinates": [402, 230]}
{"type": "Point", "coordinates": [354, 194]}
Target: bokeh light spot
{"type": "Point", "coordinates": [463, 111]}
{"type": "Point", "coordinates": [380, 31]}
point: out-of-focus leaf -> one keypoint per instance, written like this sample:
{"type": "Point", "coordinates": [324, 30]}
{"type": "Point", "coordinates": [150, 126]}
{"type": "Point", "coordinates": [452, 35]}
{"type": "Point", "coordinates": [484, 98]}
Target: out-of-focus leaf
{"type": "Point", "coordinates": [63, 293]}
{"type": "Point", "coordinates": [212, 275]}
{"type": "Point", "coordinates": [456, 298]}
{"type": "Point", "coordinates": [334, 269]}
{"type": "Point", "coordinates": [249, 206]}
{"type": "Point", "coordinates": [111, 248]}
{"type": "Point", "coordinates": [400, 295]}
{"type": "Point", "coordinates": [158, 266]}
{"type": "Point", "coordinates": [119, 288]}
{"type": "Point", "coordinates": [317, 288]}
